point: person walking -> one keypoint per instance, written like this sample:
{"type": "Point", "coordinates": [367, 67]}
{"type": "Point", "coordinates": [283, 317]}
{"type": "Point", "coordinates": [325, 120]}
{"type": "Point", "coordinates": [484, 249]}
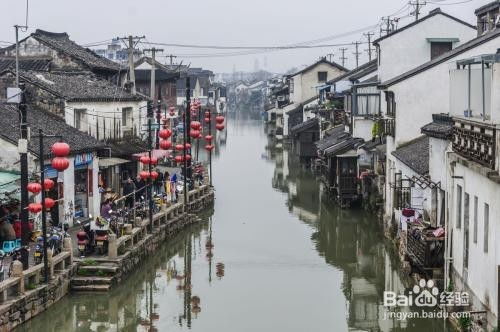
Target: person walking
{"type": "Point", "coordinates": [128, 190]}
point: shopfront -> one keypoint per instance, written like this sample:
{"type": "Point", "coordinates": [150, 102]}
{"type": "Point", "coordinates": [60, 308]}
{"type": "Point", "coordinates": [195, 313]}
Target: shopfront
{"type": "Point", "coordinates": [84, 186]}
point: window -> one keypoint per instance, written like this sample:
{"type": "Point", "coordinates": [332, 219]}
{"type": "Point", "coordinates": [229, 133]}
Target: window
{"type": "Point", "coordinates": [80, 119]}
{"type": "Point", "coordinates": [292, 85]}
{"type": "Point", "coordinates": [439, 48]}
{"type": "Point", "coordinates": [466, 231]}
{"type": "Point", "coordinates": [322, 76]}
{"type": "Point", "coordinates": [367, 105]}
{"type": "Point", "coordinates": [486, 225]}
{"type": "Point", "coordinates": [475, 220]}
{"type": "Point", "coordinates": [391, 103]}
{"type": "Point", "coordinates": [126, 116]}
{"type": "Point", "coordinates": [459, 206]}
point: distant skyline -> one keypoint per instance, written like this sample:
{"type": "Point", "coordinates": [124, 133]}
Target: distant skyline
{"type": "Point", "coordinates": [223, 23]}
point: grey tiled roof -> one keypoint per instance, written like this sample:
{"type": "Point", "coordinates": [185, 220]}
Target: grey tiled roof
{"type": "Point", "coordinates": [51, 124]}
{"type": "Point", "coordinates": [343, 145]}
{"type": "Point", "coordinates": [415, 154]}
{"type": "Point", "coordinates": [336, 134]}
{"type": "Point", "coordinates": [322, 60]}
{"type": "Point", "coordinates": [304, 126]}
{"type": "Point", "coordinates": [78, 86]}
{"type": "Point", "coordinates": [37, 64]}
{"type": "Point", "coordinates": [440, 127]}
{"type": "Point", "coordinates": [62, 43]}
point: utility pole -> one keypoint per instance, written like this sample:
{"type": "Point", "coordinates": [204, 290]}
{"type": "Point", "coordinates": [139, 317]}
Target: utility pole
{"type": "Point", "coordinates": [369, 37]}
{"type": "Point", "coordinates": [187, 123]}
{"type": "Point", "coordinates": [23, 158]}
{"type": "Point", "coordinates": [330, 56]}
{"type": "Point", "coordinates": [387, 21]}
{"type": "Point", "coordinates": [172, 57]}
{"type": "Point", "coordinates": [150, 180]}
{"type": "Point", "coordinates": [153, 95]}
{"type": "Point", "coordinates": [131, 43]}
{"type": "Point", "coordinates": [356, 54]}
{"type": "Point", "coordinates": [418, 4]}
{"type": "Point", "coordinates": [343, 58]}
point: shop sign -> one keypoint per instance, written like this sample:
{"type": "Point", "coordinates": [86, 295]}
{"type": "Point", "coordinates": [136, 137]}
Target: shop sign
{"type": "Point", "coordinates": [83, 159]}
{"type": "Point", "coordinates": [50, 172]}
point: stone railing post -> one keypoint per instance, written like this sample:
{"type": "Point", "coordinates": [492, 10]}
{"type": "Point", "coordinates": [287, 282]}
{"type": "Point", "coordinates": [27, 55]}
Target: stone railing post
{"type": "Point", "coordinates": [112, 247]}
{"type": "Point", "coordinates": [50, 260]}
{"type": "Point", "coordinates": [127, 228]}
{"type": "Point", "coordinates": [68, 246]}
{"type": "Point", "coordinates": [17, 272]}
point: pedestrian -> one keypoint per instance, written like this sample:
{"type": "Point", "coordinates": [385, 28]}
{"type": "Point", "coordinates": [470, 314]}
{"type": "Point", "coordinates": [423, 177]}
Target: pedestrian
{"type": "Point", "coordinates": [140, 186]}
{"type": "Point", "coordinates": [105, 209]}
{"type": "Point", "coordinates": [173, 187]}
{"type": "Point", "coordinates": [159, 182]}
{"type": "Point", "coordinates": [128, 190]}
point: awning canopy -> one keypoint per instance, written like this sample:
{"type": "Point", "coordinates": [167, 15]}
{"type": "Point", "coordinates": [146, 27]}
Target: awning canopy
{"type": "Point", "coordinates": [107, 162]}
{"type": "Point", "coordinates": [9, 187]}
{"type": "Point", "coordinates": [154, 153]}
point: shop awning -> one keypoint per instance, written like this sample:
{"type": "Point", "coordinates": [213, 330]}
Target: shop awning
{"type": "Point", "coordinates": [154, 153]}
{"type": "Point", "coordinates": [107, 162]}
{"type": "Point", "coordinates": [9, 186]}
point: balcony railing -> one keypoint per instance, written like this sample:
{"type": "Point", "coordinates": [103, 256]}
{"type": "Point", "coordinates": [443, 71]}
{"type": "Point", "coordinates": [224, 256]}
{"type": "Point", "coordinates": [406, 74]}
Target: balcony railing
{"type": "Point", "coordinates": [389, 127]}
{"type": "Point", "coordinates": [475, 141]}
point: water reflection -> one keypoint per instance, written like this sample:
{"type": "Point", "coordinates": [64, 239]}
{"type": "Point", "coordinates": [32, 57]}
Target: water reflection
{"type": "Point", "coordinates": [274, 255]}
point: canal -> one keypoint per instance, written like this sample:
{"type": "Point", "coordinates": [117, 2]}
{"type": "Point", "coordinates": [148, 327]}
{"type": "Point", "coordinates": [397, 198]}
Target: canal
{"type": "Point", "coordinates": [274, 255]}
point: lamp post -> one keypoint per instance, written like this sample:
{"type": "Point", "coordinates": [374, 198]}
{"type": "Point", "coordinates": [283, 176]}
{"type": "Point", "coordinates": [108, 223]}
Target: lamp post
{"type": "Point", "coordinates": [60, 163]}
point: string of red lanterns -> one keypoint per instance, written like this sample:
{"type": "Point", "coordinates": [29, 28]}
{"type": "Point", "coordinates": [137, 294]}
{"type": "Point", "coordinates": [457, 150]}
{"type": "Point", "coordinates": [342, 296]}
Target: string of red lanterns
{"type": "Point", "coordinates": [60, 163]}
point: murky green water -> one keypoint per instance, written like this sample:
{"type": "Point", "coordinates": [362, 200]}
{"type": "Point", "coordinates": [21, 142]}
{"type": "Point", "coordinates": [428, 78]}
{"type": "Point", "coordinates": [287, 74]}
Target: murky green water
{"type": "Point", "coordinates": [284, 258]}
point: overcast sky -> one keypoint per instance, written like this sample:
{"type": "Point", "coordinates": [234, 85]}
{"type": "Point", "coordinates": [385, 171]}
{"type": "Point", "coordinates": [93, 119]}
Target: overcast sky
{"type": "Point", "coordinates": [220, 22]}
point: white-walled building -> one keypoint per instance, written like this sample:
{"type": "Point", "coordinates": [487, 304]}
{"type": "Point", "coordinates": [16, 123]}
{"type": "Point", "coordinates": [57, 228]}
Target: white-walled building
{"type": "Point", "coordinates": [77, 186]}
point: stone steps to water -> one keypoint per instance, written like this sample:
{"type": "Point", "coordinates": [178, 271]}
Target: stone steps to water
{"type": "Point", "coordinates": [105, 268]}
{"type": "Point", "coordinates": [91, 280]}
{"type": "Point", "coordinates": [91, 288]}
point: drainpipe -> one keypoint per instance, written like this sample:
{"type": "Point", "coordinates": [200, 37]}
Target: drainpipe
{"type": "Point", "coordinates": [468, 88]}
{"type": "Point", "coordinates": [447, 257]}
{"type": "Point", "coordinates": [483, 92]}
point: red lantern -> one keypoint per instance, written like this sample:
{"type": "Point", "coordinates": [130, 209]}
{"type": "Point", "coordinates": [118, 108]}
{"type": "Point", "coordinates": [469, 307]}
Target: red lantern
{"type": "Point", "coordinates": [209, 147]}
{"type": "Point", "coordinates": [208, 138]}
{"type": "Point", "coordinates": [188, 146]}
{"type": "Point", "coordinates": [49, 203]}
{"type": "Point", "coordinates": [34, 187]}
{"type": "Point", "coordinates": [165, 133]}
{"type": "Point", "coordinates": [165, 145]}
{"type": "Point", "coordinates": [145, 160]}
{"type": "Point", "coordinates": [195, 125]}
{"type": "Point", "coordinates": [179, 159]}
{"type": "Point", "coordinates": [194, 133]}
{"type": "Point", "coordinates": [154, 175]}
{"type": "Point", "coordinates": [219, 119]}
{"type": "Point", "coordinates": [154, 161]}
{"type": "Point", "coordinates": [48, 184]}
{"type": "Point", "coordinates": [179, 147]}
{"type": "Point", "coordinates": [219, 126]}
{"type": "Point", "coordinates": [34, 207]}
{"type": "Point", "coordinates": [207, 120]}
{"type": "Point", "coordinates": [188, 157]}
{"type": "Point", "coordinates": [60, 149]}
{"type": "Point", "coordinates": [60, 163]}
{"type": "Point", "coordinates": [144, 175]}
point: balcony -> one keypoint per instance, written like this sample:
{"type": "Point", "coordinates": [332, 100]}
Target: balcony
{"type": "Point", "coordinates": [475, 140]}
{"type": "Point", "coordinates": [388, 127]}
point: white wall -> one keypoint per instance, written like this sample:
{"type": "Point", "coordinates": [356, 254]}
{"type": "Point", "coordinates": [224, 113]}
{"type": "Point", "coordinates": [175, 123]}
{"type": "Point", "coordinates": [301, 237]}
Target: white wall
{"type": "Point", "coordinates": [305, 83]}
{"type": "Point", "coordinates": [362, 128]}
{"type": "Point", "coordinates": [410, 48]}
{"type": "Point", "coordinates": [482, 271]}
{"type": "Point", "coordinates": [107, 111]}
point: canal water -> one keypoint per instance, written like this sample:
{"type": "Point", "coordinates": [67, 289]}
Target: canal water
{"type": "Point", "coordinates": [274, 255]}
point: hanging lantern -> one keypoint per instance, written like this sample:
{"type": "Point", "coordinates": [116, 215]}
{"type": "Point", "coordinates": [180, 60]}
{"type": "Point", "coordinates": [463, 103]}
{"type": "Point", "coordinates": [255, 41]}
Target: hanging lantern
{"type": "Point", "coordinates": [194, 133]}
{"type": "Point", "coordinates": [219, 126]}
{"type": "Point", "coordinates": [34, 187]}
{"type": "Point", "coordinates": [207, 120]}
{"type": "Point", "coordinates": [188, 157]}
{"type": "Point", "coordinates": [48, 184]}
{"type": "Point", "coordinates": [154, 161]}
{"type": "Point", "coordinates": [60, 163]}
{"type": "Point", "coordinates": [49, 203]}
{"type": "Point", "coordinates": [34, 207]}
{"type": "Point", "coordinates": [154, 175]}
{"type": "Point", "coordinates": [179, 147]}
{"type": "Point", "coordinates": [165, 145]}
{"type": "Point", "coordinates": [195, 125]}
{"type": "Point", "coordinates": [188, 146]}
{"type": "Point", "coordinates": [209, 138]}
{"type": "Point", "coordinates": [60, 149]}
{"type": "Point", "coordinates": [145, 160]}
{"type": "Point", "coordinates": [219, 119]}
{"type": "Point", "coordinates": [165, 133]}
{"type": "Point", "coordinates": [179, 159]}
{"type": "Point", "coordinates": [209, 147]}
{"type": "Point", "coordinates": [144, 175]}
